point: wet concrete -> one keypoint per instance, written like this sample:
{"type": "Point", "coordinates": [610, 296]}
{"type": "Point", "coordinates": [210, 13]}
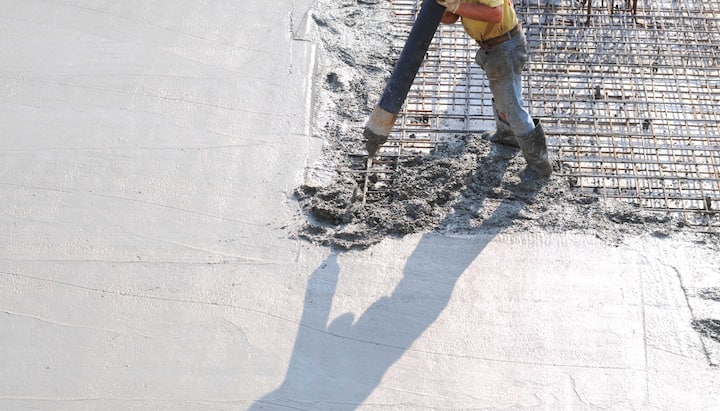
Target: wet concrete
{"type": "Point", "coordinates": [151, 256]}
{"type": "Point", "coordinates": [455, 189]}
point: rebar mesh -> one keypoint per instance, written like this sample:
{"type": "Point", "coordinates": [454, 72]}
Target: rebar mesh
{"type": "Point", "coordinates": [628, 93]}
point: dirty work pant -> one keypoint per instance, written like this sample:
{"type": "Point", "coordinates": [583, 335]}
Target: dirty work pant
{"type": "Point", "coordinates": [503, 64]}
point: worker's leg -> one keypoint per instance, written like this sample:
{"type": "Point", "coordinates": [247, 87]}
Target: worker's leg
{"type": "Point", "coordinates": [502, 134]}
{"type": "Point", "coordinates": [503, 65]}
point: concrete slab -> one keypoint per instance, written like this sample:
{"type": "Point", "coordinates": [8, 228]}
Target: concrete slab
{"type": "Point", "coordinates": [122, 117]}
{"type": "Point", "coordinates": [511, 321]}
{"type": "Point", "coordinates": [146, 168]}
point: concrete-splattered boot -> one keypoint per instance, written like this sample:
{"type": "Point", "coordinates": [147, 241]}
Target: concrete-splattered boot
{"type": "Point", "coordinates": [534, 149]}
{"type": "Point", "coordinates": [502, 133]}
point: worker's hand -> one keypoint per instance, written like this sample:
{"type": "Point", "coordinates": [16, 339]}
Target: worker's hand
{"type": "Point", "coordinates": [450, 5]}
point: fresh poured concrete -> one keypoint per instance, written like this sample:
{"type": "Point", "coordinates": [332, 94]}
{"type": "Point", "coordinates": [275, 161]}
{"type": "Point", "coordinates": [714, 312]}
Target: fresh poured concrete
{"type": "Point", "coordinates": [147, 260]}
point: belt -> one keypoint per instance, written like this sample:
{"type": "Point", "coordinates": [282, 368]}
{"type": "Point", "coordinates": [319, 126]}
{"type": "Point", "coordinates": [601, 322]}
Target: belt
{"type": "Point", "coordinates": [486, 44]}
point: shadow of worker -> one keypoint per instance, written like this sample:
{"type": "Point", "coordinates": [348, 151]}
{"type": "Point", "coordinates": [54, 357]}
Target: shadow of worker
{"type": "Point", "coordinates": [337, 366]}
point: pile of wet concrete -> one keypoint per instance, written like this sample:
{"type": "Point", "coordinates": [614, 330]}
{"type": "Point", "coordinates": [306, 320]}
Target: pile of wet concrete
{"type": "Point", "coordinates": [465, 186]}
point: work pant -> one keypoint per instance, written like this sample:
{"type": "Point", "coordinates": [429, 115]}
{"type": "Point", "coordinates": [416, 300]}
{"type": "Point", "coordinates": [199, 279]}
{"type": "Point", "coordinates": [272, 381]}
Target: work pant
{"type": "Point", "coordinates": [503, 64]}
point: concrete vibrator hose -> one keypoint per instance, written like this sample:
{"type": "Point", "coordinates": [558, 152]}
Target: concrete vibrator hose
{"type": "Point", "coordinates": [382, 119]}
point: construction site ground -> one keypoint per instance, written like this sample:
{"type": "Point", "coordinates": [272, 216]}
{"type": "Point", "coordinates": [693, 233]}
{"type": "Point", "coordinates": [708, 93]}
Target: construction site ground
{"type": "Point", "coordinates": [188, 222]}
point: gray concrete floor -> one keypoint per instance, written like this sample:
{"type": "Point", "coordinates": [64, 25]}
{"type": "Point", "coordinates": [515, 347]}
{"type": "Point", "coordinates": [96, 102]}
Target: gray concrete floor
{"type": "Point", "coordinates": [147, 160]}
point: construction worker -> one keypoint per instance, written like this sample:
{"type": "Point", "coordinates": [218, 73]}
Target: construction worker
{"type": "Point", "coordinates": [502, 54]}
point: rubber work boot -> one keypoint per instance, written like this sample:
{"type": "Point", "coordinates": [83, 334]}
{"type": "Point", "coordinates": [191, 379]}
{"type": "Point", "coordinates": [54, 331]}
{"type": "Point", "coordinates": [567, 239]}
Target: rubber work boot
{"type": "Point", "coordinates": [502, 134]}
{"type": "Point", "coordinates": [534, 149]}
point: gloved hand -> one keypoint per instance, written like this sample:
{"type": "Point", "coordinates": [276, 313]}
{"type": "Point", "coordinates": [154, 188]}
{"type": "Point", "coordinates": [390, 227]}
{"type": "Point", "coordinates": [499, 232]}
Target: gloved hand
{"type": "Point", "coordinates": [450, 5]}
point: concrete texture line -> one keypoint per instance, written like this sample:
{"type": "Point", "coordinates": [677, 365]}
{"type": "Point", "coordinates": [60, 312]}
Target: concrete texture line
{"type": "Point", "coordinates": [167, 98]}
{"type": "Point", "coordinates": [118, 399]}
{"type": "Point", "coordinates": [138, 262]}
{"type": "Point", "coordinates": [641, 280]}
{"type": "Point", "coordinates": [419, 392]}
{"type": "Point", "coordinates": [68, 325]}
{"type": "Point", "coordinates": [234, 258]}
{"type": "Point", "coordinates": [231, 75]}
{"type": "Point", "coordinates": [579, 397]}
{"type": "Point", "coordinates": [468, 357]}
{"type": "Point", "coordinates": [147, 297]}
{"type": "Point", "coordinates": [708, 357]}
{"type": "Point", "coordinates": [257, 143]}
{"type": "Point", "coordinates": [275, 404]}
{"type": "Point", "coordinates": [36, 220]}
{"type": "Point", "coordinates": [195, 60]}
{"type": "Point", "coordinates": [316, 329]}
{"type": "Point", "coordinates": [535, 363]}
{"type": "Point", "coordinates": [170, 29]}
{"type": "Point", "coordinates": [654, 347]}
{"type": "Point", "coordinates": [237, 328]}
{"type": "Point", "coordinates": [397, 405]}
{"type": "Point", "coordinates": [309, 89]}
{"type": "Point", "coordinates": [91, 194]}
{"type": "Point", "coordinates": [144, 76]}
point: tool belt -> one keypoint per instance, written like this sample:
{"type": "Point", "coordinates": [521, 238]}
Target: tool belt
{"type": "Point", "coordinates": [486, 44]}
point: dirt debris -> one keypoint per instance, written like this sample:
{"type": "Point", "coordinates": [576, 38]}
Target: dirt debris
{"type": "Point", "coordinates": [464, 186]}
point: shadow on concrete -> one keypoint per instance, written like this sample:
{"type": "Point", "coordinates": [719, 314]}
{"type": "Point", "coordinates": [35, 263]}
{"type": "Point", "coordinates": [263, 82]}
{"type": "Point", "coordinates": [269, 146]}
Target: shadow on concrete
{"type": "Point", "coordinates": [337, 366]}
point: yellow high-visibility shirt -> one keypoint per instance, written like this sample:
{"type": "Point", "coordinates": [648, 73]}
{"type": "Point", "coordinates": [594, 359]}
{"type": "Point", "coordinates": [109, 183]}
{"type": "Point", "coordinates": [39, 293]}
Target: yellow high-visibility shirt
{"type": "Point", "coordinates": [482, 30]}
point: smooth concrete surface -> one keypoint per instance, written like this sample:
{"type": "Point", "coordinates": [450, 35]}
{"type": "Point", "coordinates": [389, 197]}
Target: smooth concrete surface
{"type": "Point", "coordinates": [148, 157]}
